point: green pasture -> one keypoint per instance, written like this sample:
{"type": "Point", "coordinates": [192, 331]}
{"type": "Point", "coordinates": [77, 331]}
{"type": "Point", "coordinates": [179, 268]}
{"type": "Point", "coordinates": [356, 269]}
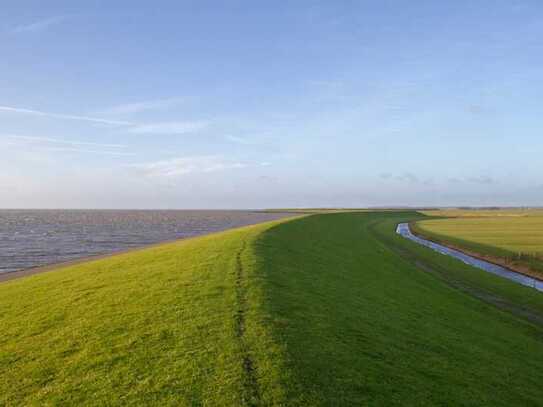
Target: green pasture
{"type": "Point", "coordinates": [515, 235]}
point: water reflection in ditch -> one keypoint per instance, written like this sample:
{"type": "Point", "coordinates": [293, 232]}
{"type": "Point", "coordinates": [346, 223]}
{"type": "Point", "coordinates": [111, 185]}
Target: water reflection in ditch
{"type": "Point", "coordinates": [404, 230]}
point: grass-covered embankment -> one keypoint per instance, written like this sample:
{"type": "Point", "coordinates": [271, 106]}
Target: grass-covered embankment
{"type": "Point", "coordinates": [330, 309]}
{"type": "Point", "coordinates": [176, 324]}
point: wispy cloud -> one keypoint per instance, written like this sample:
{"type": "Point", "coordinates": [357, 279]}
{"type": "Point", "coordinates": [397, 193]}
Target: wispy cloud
{"type": "Point", "coordinates": [479, 179]}
{"type": "Point", "coordinates": [138, 107]}
{"type": "Point", "coordinates": [160, 128]}
{"type": "Point", "coordinates": [386, 175]}
{"type": "Point", "coordinates": [240, 140]}
{"type": "Point", "coordinates": [10, 109]}
{"type": "Point", "coordinates": [84, 150]}
{"type": "Point", "coordinates": [60, 145]}
{"type": "Point", "coordinates": [39, 25]}
{"type": "Point", "coordinates": [180, 166]}
{"type": "Point", "coordinates": [405, 177]}
{"type": "Point", "coordinates": [169, 127]}
{"type": "Point", "coordinates": [482, 179]}
{"type": "Point", "coordinates": [47, 140]}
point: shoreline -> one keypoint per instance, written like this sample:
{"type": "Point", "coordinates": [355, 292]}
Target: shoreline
{"type": "Point", "coordinates": [13, 275]}
{"type": "Point", "coordinates": [498, 261]}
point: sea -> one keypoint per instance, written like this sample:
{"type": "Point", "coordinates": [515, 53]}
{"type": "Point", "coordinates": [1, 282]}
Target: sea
{"type": "Point", "coordinates": [32, 238]}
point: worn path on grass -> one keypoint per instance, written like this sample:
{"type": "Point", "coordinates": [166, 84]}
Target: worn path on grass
{"type": "Point", "coordinates": [328, 309]}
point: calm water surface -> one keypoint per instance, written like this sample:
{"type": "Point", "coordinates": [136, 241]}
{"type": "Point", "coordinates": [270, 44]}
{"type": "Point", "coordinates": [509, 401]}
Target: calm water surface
{"type": "Point", "coordinates": [30, 238]}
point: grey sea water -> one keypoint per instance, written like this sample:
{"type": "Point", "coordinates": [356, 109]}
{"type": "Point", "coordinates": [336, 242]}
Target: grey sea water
{"type": "Point", "coordinates": [30, 238]}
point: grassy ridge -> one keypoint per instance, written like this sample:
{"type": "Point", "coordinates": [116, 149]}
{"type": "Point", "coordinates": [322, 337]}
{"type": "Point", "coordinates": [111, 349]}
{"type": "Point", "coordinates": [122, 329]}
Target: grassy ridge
{"type": "Point", "coordinates": [363, 326]}
{"type": "Point", "coordinates": [322, 310]}
{"type": "Point", "coordinates": [160, 326]}
{"type": "Point", "coordinates": [515, 237]}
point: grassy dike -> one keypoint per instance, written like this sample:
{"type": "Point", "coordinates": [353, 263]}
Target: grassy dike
{"type": "Point", "coordinates": [329, 309]}
{"type": "Point", "coordinates": [178, 324]}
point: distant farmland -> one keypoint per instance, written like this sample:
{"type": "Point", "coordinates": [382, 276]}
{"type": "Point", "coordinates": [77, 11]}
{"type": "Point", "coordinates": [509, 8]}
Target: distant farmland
{"type": "Point", "coordinates": [485, 213]}
{"type": "Point", "coordinates": [514, 236]}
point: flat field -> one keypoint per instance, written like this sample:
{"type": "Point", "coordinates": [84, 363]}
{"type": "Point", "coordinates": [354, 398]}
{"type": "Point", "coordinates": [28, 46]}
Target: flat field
{"type": "Point", "coordinates": [327, 309]}
{"type": "Point", "coordinates": [484, 213]}
{"type": "Point", "coordinates": [514, 235]}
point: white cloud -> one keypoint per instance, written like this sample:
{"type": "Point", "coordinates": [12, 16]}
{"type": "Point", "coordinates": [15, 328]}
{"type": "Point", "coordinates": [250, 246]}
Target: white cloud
{"type": "Point", "coordinates": [39, 25]}
{"type": "Point", "coordinates": [49, 140]}
{"type": "Point", "coordinates": [481, 179]}
{"type": "Point", "coordinates": [244, 140]}
{"type": "Point", "coordinates": [180, 166]}
{"type": "Point", "coordinates": [47, 144]}
{"type": "Point", "coordinates": [405, 177]}
{"type": "Point", "coordinates": [236, 139]}
{"type": "Point", "coordinates": [84, 150]}
{"type": "Point", "coordinates": [168, 127]}
{"type": "Point", "coordinates": [9, 109]}
{"type": "Point", "coordinates": [129, 108]}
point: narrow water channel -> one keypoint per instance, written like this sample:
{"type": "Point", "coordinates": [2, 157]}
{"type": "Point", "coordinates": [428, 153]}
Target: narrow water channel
{"type": "Point", "coordinates": [404, 230]}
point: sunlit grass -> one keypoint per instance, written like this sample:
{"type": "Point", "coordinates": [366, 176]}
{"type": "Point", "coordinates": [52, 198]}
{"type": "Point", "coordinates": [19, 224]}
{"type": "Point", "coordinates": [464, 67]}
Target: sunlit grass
{"type": "Point", "coordinates": [480, 213]}
{"type": "Point", "coordinates": [514, 235]}
{"type": "Point", "coordinates": [319, 310]}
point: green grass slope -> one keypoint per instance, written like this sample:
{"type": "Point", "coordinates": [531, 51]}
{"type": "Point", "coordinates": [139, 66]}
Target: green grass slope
{"type": "Point", "coordinates": [171, 325]}
{"type": "Point", "coordinates": [331, 309]}
{"type": "Point", "coordinates": [363, 326]}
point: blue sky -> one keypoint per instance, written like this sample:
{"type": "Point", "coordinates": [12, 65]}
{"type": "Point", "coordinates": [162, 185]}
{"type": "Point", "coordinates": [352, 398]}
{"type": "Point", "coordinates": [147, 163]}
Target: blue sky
{"type": "Point", "coordinates": [245, 104]}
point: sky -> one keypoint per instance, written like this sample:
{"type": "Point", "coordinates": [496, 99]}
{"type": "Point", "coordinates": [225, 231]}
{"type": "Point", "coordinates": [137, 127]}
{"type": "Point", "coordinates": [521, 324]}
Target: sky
{"type": "Point", "coordinates": [244, 104]}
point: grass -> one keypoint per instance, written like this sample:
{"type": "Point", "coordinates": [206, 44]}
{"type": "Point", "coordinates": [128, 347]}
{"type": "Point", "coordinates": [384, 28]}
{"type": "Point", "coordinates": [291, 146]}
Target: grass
{"type": "Point", "coordinates": [328, 309]}
{"type": "Point", "coordinates": [484, 213]}
{"type": "Point", "coordinates": [158, 326]}
{"type": "Point", "coordinates": [513, 235]}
